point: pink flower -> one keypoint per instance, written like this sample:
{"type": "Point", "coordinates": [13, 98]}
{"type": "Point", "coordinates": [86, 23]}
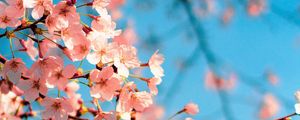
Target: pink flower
{"type": "Point", "coordinates": [214, 82]}
{"type": "Point", "coordinates": [56, 108]}
{"type": "Point", "coordinates": [153, 112]}
{"type": "Point", "coordinates": [7, 21]}
{"type": "Point", "coordinates": [9, 102]}
{"type": "Point", "coordinates": [80, 50]}
{"type": "Point", "coordinates": [152, 83]}
{"type": "Point", "coordinates": [59, 77]}
{"type": "Point", "coordinates": [33, 87]}
{"type": "Point", "coordinates": [155, 64]}
{"type": "Point", "coordinates": [127, 37]}
{"type": "Point", "coordinates": [70, 35]}
{"type": "Point", "coordinates": [42, 68]}
{"type": "Point", "coordinates": [191, 109]}
{"type": "Point", "coordinates": [39, 7]}
{"type": "Point", "coordinates": [100, 50]}
{"type": "Point", "coordinates": [66, 14]}
{"type": "Point", "coordinates": [104, 24]}
{"type": "Point", "coordinates": [141, 100]}
{"type": "Point", "coordinates": [13, 69]}
{"type": "Point", "coordinates": [100, 5]}
{"type": "Point", "coordinates": [52, 23]}
{"type": "Point", "coordinates": [256, 7]}
{"type": "Point", "coordinates": [137, 100]}
{"type": "Point", "coordinates": [15, 8]}
{"type": "Point", "coordinates": [105, 85]}
{"type": "Point", "coordinates": [270, 107]}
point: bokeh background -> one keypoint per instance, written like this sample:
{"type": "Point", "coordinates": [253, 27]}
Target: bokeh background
{"type": "Point", "coordinates": [223, 36]}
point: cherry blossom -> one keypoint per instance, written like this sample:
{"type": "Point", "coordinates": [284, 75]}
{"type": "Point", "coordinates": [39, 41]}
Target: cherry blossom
{"type": "Point", "coordinates": [13, 69]}
{"type": "Point", "coordinates": [39, 7]}
{"type": "Point", "coordinates": [33, 87]}
{"type": "Point", "coordinates": [155, 64]}
{"type": "Point", "coordinates": [270, 107]}
{"type": "Point", "coordinates": [104, 84]}
{"type": "Point", "coordinates": [56, 108]}
{"type": "Point", "coordinates": [191, 109]}
{"type": "Point", "coordinates": [59, 77]}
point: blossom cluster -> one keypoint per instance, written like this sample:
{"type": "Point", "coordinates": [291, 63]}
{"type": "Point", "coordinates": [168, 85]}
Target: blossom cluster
{"type": "Point", "coordinates": [51, 33]}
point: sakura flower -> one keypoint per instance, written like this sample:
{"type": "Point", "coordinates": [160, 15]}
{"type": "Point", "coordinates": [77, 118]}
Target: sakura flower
{"type": "Point", "coordinates": [256, 7]}
{"type": "Point", "coordinates": [56, 108]}
{"type": "Point", "coordinates": [66, 14]}
{"type": "Point", "coordinates": [59, 77]}
{"type": "Point", "coordinates": [127, 55]}
{"type": "Point", "coordinates": [42, 68]}
{"type": "Point", "coordinates": [13, 69]}
{"type": "Point", "coordinates": [100, 5]}
{"type": "Point", "coordinates": [15, 8]}
{"type": "Point", "coordinates": [7, 21]}
{"type": "Point", "coordinates": [155, 64]}
{"type": "Point", "coordinates": [100, 50]}
{"type": "Point", "coordinates": [33, 87]}
{"type": "Point", "coordinates": [127, 37]}
{"type": "Point", "coordinates": [191, 108]}
{"type": "Point", "coordinates": [152, 85]}
{"type": "Point", "coordinates": [70, 33]}
{"type": "Point", "coordinates": [270, 107]}
{"type": "Point", "coordinates": [141, 100]}
{"type": "Point", "coordinates": [80, 50]}
{"type": "Point", "coordinates": [137, 100]}
{"type": "Point", "coordinates": [153, 112]}
{"type": "Point", "coordinates": [297, 105]}
{"type": "Point", "coordinates": [71, 88]}
{"type": "Point", "coordinates": [10, 102]}
{"type": "Point", "coordinates": [39, 7]}
{"type": "Point", "coordinates": [5, 86]}
{"type": "Point", "coordinates": [52, 23]}
{"type": "Point", "coordinates": [214, 82]}
{"type": "Point", "coordinates": [104, 84]}
{"type": "Point", "coordinates": [104, 24]}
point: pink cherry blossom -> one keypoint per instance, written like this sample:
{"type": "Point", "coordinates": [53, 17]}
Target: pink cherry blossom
{"type": "Point", "coordinates": [7, 21]}
{"type": "Point", "coordinates": [66, 14]}
{"type": "Point", "coordinates": [13, 69]}
{"type": "Point", "coordinates": [214, 82]}
{"type": "Point", "coordinates": [59, 77]}
{"type": "Point", "coordinates": [56, 108]}
{"type": "Point", "coordinates": [79, 51]}
{"type": "Point", "coordinates": [152, 83]}
{"type": "Point", "coordinates": [42, 68]}
{"type": "Point", "coordinates": [269, 108]}
{"type": "Point", "coordinates": [155, 64]}
{"type": "Point", "coordinates": [39, 7]}
{"type": "Point", "coordinates": [153, 112]}
{"type": "Point", "coordinates": [137, 100]}
{"type": "Point", "coordinates": [104, 24]}
{"type": "Point", "coordinates": [15, 9]}
{"type": "Point", "coordinates": [104, 84]}
{"type": "Point", "coordinates": [70, 33]}
{"type": "Point", "coordinates": [10, 102]}
{"type": "Point", "coordinates": [100, 5]}
{"type": "Point", "coordinates": [127, 37]}
{"type": "Point", "coordinates": [191, 108]}
{"type": "Point", "coordinates": [33, 87]}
